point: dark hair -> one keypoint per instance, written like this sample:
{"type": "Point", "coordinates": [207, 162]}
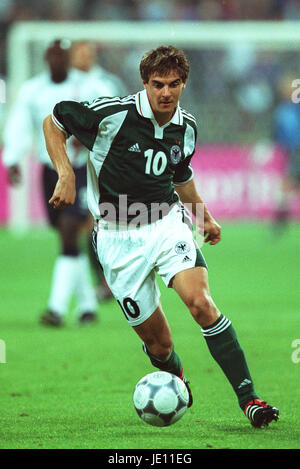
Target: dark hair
{"type": "Point", "coordinates": [162, 60]}
{"type": "Point", "coordinates": [58, 46]}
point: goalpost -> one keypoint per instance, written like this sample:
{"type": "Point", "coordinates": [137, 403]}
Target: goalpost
{"type": "Point", "coordinates": [27, 42]}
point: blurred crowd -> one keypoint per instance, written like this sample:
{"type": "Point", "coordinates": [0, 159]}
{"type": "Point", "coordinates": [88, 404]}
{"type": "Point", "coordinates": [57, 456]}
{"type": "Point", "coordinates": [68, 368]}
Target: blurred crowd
{"type": "Point", "coordinates": [156, 10]}
{"type": "Point", "coordinates": [243, 79]}
{"type": "Point", "coordinates": [14, 10]}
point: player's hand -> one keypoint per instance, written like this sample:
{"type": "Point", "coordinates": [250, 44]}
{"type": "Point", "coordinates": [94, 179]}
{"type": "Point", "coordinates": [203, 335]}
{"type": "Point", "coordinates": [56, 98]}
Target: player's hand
{"type": "Point", "coordinates": [14, 175]}
{"type": "Point", "coordinates": [212, 231]}
{"type": "Point", "coordinates": [64, 193]}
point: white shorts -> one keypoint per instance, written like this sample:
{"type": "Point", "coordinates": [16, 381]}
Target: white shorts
{"type": "Point", "coordinates": [131, 257]}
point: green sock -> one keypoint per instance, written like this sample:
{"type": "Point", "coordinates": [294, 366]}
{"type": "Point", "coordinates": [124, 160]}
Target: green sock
{"type": "Point", "coordinates": [226, 350]}
{"type": "Point", "coordinates": [171, 365]}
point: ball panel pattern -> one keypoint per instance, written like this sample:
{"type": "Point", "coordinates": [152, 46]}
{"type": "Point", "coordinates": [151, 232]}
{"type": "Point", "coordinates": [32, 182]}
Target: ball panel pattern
{"type": "Point", "coordinates": [141, 396]}
{"type": "Point", "coordinates": [160, 398]}
{"type": "Point", "coordinates": [165, 400]}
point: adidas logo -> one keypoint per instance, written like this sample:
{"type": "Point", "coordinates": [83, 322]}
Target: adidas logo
{"type": "Point", "coordinates": [244, 383]}
{"type": "Point", "coordinates": [186, 259]}
{"type": "Point", "coordinates": [135, 147]}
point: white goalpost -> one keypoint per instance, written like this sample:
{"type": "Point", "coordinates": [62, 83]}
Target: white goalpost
{"type": "Point", "coordinates": [267, 35]}
{"type": "Point", "coordinates": [27, 41]}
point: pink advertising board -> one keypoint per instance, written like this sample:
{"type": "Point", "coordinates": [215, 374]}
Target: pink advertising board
{"type": "Point", "coordinates": [240, 182]}
{"type": "Point", "coordinates": [236, 181]}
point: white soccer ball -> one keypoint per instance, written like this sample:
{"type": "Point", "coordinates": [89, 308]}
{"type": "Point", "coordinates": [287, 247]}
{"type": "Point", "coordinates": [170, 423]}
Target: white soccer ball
{"type": "Point", "coordinates": [160, 398]}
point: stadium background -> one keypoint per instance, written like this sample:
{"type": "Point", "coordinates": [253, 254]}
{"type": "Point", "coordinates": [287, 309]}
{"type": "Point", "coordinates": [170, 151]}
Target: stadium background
{"type": "Point", "coordinates": [233, 92]}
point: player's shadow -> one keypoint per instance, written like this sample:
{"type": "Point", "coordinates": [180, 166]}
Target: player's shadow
{"type": "Point", "coordinates": [237, 427]}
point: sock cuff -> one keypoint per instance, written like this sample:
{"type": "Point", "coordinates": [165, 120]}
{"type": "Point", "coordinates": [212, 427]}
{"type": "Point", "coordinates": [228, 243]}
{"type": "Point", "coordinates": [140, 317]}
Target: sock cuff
{"type": "Point", "coordinates": [221, 324]}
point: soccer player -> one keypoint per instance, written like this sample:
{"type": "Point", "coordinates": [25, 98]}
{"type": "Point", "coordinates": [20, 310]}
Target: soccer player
{"type": "Point", "coordinates": [37, 96]}
{"type": "Point", "coordinates": [139, 174]}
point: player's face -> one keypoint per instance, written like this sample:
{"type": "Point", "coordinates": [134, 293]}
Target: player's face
{"type": "Point", "coordinates": [58, 61]}
{"type": "Point", "coordinates": [83, 56]}
{"type": "Point", "coordinates": [163, 94]}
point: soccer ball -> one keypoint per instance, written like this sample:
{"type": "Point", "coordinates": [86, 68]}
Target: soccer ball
{"type": "Point", "coordinates": [160, 398]}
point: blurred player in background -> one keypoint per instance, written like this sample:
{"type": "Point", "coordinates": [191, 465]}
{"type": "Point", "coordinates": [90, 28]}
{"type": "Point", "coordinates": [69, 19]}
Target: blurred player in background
{"type": "Point", "coordinates": [286, 132]}
{"type": "Point", "coordinates": [71, 275]}
{"type": "Point", "coordinates": [84, 57]}
{"type": "Point", "coordinates": [141, 145]}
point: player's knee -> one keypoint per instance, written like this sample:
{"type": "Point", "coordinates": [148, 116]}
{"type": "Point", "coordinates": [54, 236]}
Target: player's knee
{"type": "Point", "coordinates": [202, 308]}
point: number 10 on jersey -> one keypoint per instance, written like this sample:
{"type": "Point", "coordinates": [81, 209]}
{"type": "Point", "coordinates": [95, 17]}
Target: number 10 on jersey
{"type": "Point", "coordinates": [155, 164]}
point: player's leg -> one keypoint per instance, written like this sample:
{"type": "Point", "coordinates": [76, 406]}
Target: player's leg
{"type": "Point", "coordinates": [130, 276]}
{"type": "Point", "coordinates": [193, 287]}
{"type": "Point", "coordinates": [70, 230]}
{"type": "Point", "coordinates": [71, 275]}
{"type": "Point", "coordinates": [64, 277]}
{"type": "Point", "coordinates": [144, 313]}
{"type": "Point", "coordinates": [182, 266]}
{"type": "Point", "coordinates": [71, 270]}
{"type": "Point", "coordinates": [158, 345]}
{"type": "Point", "coordinates": [157, 339]}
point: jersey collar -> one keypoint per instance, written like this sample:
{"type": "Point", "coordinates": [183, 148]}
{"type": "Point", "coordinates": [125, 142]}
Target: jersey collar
{"type": "Point", "coordinates": [144, 109]}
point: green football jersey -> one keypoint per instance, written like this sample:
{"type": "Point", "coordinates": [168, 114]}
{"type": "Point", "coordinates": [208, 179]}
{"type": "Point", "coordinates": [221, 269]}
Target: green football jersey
{"type": "Point", "coordinates": [132, 161]}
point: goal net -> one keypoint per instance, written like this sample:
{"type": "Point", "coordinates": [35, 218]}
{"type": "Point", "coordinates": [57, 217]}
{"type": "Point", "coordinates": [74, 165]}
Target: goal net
{"type": "Point", "coordinates": [235, 85]}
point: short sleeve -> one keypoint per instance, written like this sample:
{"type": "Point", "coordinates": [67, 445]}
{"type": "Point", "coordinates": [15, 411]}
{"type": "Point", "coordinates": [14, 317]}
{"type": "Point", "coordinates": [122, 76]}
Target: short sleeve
{"type": "Point", "coordinates": [184, 172]}
{"type": "Point", "coordinates": [77, 119]}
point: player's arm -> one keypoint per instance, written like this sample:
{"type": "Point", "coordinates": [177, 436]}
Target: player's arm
{"type": "Point", "coordinates": [68, 118]}
{"type": "Point", "coordinates": [64, 193]}
{"type": "Point", "coordinates": [204, 220]}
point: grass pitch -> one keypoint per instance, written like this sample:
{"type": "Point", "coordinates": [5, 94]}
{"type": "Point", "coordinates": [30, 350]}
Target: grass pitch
{"type": "Point", "coordinates": [72, 387]}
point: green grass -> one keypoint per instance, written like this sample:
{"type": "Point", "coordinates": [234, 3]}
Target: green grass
{"type": "Point", "coordinates": [72, 388]}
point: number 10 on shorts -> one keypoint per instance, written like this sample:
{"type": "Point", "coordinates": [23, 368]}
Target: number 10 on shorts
{"type": "Point", "coordinates": [129, 308]}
